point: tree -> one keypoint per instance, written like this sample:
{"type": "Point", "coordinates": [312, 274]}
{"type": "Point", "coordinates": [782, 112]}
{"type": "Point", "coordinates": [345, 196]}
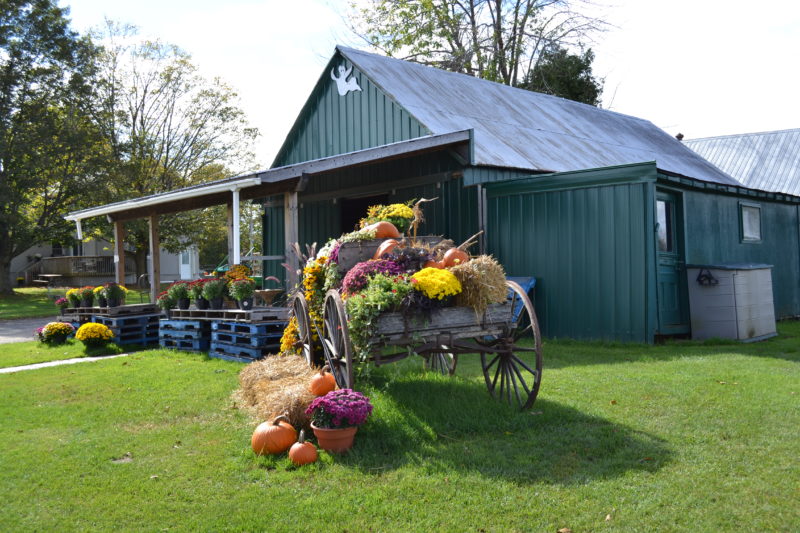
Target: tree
{"type": "Point", "coordinates": [566, 75]}
{"type": "Point", "coordinates": [165, 125]}
{"type": "Point", "coordinates": [50, 152]}
{"type": "Point", "coordinates": [498, 40]}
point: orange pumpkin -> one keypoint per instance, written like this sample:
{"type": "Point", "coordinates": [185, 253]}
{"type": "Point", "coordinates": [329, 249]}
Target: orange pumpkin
{"type": "Point", "coordinates": [433, 264]}
{"type": "Point", "coordinates": [302, 452]}
{"type": "Point", "coordinates": [454, 256]}
{"type": "Point", "coordinates": [384, 230]}
{"type": "Point", "coordinates": [273, 437]}
{"type": "Point", "coordinates": [386, 247]}
{"type": "Point", "coordinates": [322, 383]}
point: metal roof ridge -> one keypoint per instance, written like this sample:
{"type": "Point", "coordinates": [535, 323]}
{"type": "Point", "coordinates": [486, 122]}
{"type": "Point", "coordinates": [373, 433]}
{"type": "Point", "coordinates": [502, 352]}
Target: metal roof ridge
{"type": "Point", "coordinates": [749, 134]}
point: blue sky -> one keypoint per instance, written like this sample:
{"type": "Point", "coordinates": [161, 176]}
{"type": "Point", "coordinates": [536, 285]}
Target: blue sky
{"type": "Point", "coordinates": [699, 67]}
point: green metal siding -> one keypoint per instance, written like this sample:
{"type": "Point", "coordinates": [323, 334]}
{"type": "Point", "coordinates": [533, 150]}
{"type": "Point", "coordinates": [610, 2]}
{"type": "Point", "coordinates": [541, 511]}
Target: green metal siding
{"type": "Point", "coordinates": [589, 249]}
{"type": "Point", "coordinates": [713, 237]}
{"type": "Point", "coordinates": [330, 124]}
{"type": "Point", "coordinates": [319, 222]}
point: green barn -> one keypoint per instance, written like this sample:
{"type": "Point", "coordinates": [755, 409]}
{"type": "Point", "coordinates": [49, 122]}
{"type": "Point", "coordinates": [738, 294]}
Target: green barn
{"type": "Point", "coordinates": [604, 209]}
{"type": "Point", "coordinates": [574, 195]}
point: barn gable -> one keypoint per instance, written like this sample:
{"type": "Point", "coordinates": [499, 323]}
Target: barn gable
{"type": "Point", "coordinates": [332, 124]}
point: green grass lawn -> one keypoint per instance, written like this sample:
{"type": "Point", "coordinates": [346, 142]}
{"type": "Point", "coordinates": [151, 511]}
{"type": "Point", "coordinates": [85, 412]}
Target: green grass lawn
{"type": "Point", "coordinates": [678, 437]}
{"type": "Point", "coordinates": [29, 303]}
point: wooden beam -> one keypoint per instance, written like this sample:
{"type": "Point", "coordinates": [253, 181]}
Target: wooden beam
{"type": "Point", "coordinates": [119, 252]}
{"type": "Point", "coordinates": [235, 258]}
{"type": "Point", "coordinates": [291, 236]}
{"type": "Point", "coordinates": [155, 258]}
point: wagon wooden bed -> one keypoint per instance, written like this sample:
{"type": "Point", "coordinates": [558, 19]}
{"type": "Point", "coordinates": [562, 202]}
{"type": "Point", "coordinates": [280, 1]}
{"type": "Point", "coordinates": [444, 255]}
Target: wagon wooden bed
{"type": "Point", "coordinates": [506, 337]}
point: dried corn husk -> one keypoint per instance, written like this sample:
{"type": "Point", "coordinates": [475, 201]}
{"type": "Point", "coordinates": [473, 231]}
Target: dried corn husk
{"type": "Point", "coordinates": [275, 386]}
{"type": "Point", "coordinates": [483, 282]}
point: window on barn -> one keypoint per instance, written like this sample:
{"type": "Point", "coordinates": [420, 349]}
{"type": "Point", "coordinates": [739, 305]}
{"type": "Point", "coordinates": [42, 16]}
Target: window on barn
{"type": "Point", "coordinates": [664, 214]}
{"type": "Point", "coordinates": [750, 219]}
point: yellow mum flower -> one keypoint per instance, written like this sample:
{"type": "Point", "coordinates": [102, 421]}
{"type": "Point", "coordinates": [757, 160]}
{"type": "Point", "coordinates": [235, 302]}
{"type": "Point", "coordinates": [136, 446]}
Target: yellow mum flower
{"type": "Point", "coordinates": [436, 283]}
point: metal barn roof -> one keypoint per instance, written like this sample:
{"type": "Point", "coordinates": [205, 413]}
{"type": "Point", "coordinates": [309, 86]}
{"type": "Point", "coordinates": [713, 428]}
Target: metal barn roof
{"type": "Point", "coordinates": [521, 129]}
{"type": "Point", "coordinates": [769, 161]}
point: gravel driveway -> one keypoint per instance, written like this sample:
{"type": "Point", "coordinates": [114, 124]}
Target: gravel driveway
{"type": "Point", "coordinates": [21, 329]}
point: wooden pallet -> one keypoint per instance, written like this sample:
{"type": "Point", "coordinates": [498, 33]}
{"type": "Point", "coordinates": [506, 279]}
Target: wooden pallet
{"type": "Point", "coordinates": [124, 321]}
{"type": "Point", "coordinates": [237, 339]}
{"type": "Point", "coordinates": [260, 314]}
{"type": "Point", "coordinates": [262, 328]}
{"type": "Point", "coordinates": [183, 325]}
{"type": "Point", "coordinates": [181, 334]}
{"type": "Point", "coordinates": [121, 310]}
{"type": "Point", "coordinates": [189, 345]}
{"type": "Point", "coordinates": [142, 338]}
{"type": "Point", "coordinates": [248, 352]}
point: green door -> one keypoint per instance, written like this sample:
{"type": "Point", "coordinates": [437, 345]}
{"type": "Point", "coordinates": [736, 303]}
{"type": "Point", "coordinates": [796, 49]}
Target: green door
{"type": "Point", "coordinates": [673, 306]}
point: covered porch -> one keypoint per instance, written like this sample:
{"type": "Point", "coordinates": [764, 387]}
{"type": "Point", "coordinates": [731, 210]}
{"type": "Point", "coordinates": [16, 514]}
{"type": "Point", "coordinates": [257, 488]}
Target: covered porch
{"type": "Point", "coordinates": [287, 183]}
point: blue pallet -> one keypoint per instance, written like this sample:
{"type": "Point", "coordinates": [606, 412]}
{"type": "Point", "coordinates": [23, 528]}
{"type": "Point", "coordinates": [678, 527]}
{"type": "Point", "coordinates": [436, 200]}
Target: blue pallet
{"type": "Point", "coordinates": [199, 325]}
{"type": "Point", "coordinates": [234, 350]}
{"type": "Point", "coordinates": [191, 345]}
{"type": "Point", "coordinates": [262, 328]}
{"type": "Point", "coordinates": [271, 339]}
{"type": "Point", "coordinates": [183, 334]}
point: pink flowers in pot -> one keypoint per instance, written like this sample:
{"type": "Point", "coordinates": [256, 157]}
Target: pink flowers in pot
{"type": "Point", "coordinates": [339, 409]}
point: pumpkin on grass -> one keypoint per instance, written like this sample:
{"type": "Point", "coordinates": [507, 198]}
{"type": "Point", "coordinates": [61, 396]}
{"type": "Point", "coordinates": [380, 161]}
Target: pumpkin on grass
{"type": "Point", "coordinates": [322, 383]}
{"type": "Point", "coordinates": [273, 437]}
{"type": "Point", "coordinates": [302, 452]}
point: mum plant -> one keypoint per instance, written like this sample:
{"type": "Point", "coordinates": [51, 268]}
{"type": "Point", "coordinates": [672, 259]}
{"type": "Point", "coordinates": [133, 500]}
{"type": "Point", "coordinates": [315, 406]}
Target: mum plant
{"type": "Point", "coordinates": [92, 334]}
{"type": "Point", "coordinates": [242, 288]}
{"type": "Point", "coordinates": [114, 291]}
{"type": "Point", "coordinates": [436, 283]}
{"type": "Point", "coordinates": [74, 297]}
{"type": "Point", "coordinates": [238, 272]}
{"type": "Point", "coordinates": [165, 301]}
{"type": "Point", "coordinates": [54, 332]}
{"type": "Point", "coordinates": [339, 409]}
{"type": "Point", "coordinates": [62, 303]}
{"type": "Point", "coordinates": [214, 288]}
{"type": "Point", "coordinates": [401, 215]}
{"type": "Point", "coordinates": [86, 294]}
{"type": "Point", "coordinates": [178, 290]}
{"type": "Point", "coordinates": [196, 288]}
{"type": "Point", "coordinates": [358, 276]}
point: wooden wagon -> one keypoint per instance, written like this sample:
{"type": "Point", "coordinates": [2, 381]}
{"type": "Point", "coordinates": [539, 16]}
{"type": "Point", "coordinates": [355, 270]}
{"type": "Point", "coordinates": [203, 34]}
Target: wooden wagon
{"type": "Point", "coordinates": [506, 336]}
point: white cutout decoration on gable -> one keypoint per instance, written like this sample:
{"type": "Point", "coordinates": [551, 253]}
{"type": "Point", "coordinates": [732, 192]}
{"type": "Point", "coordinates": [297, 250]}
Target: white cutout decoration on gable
{"type": "Point", "coordinates": [342, 83]}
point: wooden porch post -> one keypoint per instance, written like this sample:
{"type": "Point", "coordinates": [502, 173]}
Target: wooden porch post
{"type": "Point", "coordinates": [155, 259]}
{"type": "Point", "coordinates": [119, 251]}
{"type": "Point", "coordinates": [291, 235]}
{"type": "Point", "coordinates": [230, 233]}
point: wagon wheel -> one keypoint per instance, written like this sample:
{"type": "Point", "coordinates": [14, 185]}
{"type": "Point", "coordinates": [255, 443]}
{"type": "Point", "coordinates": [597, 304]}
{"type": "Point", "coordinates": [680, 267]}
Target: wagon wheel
{"type": "Point", "coordinates": [304, 332]}
{"type": "Point", "coordinates": [512, 360]}
{"type": "Point", "coordinates": [442, 362]}
{"type": "Point", "coordinates": [336, 340]}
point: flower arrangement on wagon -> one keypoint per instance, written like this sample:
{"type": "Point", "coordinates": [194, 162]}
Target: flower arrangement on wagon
{"type": "Point", "coordinates": [393, 273]}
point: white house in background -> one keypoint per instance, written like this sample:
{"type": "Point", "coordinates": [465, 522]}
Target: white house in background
{"type": "Point", "coordinates": [92, 263]}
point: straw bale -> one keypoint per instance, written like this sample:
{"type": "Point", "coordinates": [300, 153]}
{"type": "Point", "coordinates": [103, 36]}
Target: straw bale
{"type": "Point", "coordinates": [276, 385]}
{"type": "Point", "coordinates": [483, 282]}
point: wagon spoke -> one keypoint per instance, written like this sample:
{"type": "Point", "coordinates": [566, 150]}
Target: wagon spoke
{"type": "Point", "coordinates": [522, 380]}
{"type": "Point", "coordinates": [524, 364]}
{"type": "Point", "coordinates": [512, 371]}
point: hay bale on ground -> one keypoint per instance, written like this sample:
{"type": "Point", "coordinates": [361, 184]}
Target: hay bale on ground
{"type": "Point", "coordinates": [277, 385]}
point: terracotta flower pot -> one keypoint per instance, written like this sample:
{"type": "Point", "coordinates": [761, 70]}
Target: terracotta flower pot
{"type": "Point", "coordinates": [337, 440]}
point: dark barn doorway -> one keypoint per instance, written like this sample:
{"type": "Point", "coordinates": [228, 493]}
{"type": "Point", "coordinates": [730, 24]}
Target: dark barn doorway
{"type": "Point", "coordinates": [354, 209]}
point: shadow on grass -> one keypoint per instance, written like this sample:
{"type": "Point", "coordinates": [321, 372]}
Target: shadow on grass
{"type": "Point", "coordinates": [561, 353]}
{"type": "Point", "coordinates": [449, 424]}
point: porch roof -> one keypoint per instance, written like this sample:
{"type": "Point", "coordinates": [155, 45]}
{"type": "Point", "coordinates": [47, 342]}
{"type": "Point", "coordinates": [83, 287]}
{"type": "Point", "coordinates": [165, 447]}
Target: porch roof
{"type": "Point", "coordinates": [291, 178]}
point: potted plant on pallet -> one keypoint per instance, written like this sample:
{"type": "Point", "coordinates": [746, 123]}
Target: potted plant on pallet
{"type": "Point", "coordinates": [115, 294]}
{"type": "Point", "coordinates": [242, 291]}
{"type": "Point", "coordinates": [165, 302]}
{"type": "Point", "coordinates": [100, 296]}
{"type": "Point", "coordinates": [179, 292]}
{"type": "Point", "coordinates": [336, 416]}
{"type": "Point", "coordinates": [214, 291]}
{"type": "Point", "coordinates": [196, 293]}
{"type": "Point", "coordinates": [62, 304]}
{"type": "Point", "coordinates": [86, 295]}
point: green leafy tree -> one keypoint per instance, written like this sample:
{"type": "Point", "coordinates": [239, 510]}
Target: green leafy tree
{"type": "Point", "coordinates": [50, 151]}
{"type": "Point", "coordinates": [166, 125]}
{"type": "Point", "coordinates": [566, 75]}
{"type": "Point", "coordinates": [498, 40]}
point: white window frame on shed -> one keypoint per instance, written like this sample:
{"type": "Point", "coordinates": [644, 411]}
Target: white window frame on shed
{"type": "Point", "coordinates": [750, 226]}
